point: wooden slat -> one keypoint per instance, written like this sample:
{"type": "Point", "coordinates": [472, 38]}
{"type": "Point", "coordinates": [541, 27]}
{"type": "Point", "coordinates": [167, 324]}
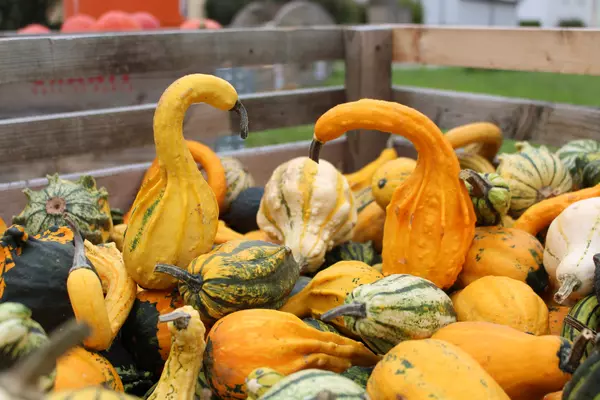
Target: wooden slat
{"type": "Point", "coordinates": [520, 119]}
{"type": "Point", "coordinates": [55, 136]}
{"type": "Point", "coordinates": [122, 183]}
{"type": "Point", "coordinates": [169, 52]}
{"type": "Point", "coordinates": [571, 51]}
{"type": "Point", "coordinates": [368, 75]}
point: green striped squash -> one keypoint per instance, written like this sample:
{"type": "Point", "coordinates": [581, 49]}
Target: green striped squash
{"type": "Point", "coordinates": [570, 150]}
{"type": "Point", "coordinates": [237, 177]}
{"type": "Point", "coordinates": [352, 251]}
{"type": "Point", "coordinates": [320, 325]}
{"type": "Point", "coordinates": [260, 381]}
{"type": "Point", "coordinates": [237, 275]}
{"type": "Point", "coordinates": [585, 383]}
{"type": "Point", "coordinates": [19, 336]}
{"type": "Point", "coordinates": [490, 195]}
{"type": "Point", "coordinates": [586, 311]}
{"type": "Point", "coordinates": [358, 374]}
{"type": "Point", "coordinates": [393, 309]}
{"type": "Point", "coordinates": [533, 174]}
{"type": "Point", "coordinates": [309, 383]}
{"type": "Point", "coordinates": [591, 174]}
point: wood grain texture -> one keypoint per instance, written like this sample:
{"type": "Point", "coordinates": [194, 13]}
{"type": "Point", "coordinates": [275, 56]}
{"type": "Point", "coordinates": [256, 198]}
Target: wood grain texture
{"type": "Point", "coordinates": [56, 136]}
{"type": "Point", "coordinates": [123, 182]}
{"type": "Point", "coordinates": [570, 51]}
{"type": "Point", "coordinates": [368, 75]}
{"type": "Point", "coordinates": [520, 119]}
{"type": "Point", "coordinates": [168, 52]}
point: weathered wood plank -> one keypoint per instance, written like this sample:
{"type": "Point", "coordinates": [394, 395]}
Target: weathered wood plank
{"type": "Point", "coordinates": [570, 51]}
{"type": "Point", "coordinates": [168, 53]}
{"type": "Point", "coordinates": [122, 183]}
{"type": "Point", "coordinates": [368, 75]}
{"type": "Point", "coordinates": [520, 119]}
{"type": "Point", "coordinates": [55, 136]}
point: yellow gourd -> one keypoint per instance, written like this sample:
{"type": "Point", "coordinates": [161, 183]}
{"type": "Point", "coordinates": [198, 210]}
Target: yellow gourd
{"type": "Point", "coordinates": [482, 138]}
{"type": "Point", "coordinates": [369, 226]}
{"type": "Point", "coordinates": [430, 221]}
{"type": "Point", "coordinates": [175, 214]}
{"type": "Point", "coordinates": [180, 374]}
{"type": "Point", "coordinates": [388, 177]}
{"type": "Point", "coordinates": [225, 234]}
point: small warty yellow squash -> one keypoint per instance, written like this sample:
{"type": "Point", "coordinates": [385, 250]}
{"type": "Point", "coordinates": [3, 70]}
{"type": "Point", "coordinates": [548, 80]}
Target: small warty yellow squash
{"type": "Point", "coordinates": [308, 207]}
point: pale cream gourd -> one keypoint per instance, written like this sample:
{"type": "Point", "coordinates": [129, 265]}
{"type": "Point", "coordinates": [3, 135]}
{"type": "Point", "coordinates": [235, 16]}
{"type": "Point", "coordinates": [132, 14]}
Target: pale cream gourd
{"type": "Point", "coordinates": [571, 242]}
{"type": "Point", "coordinates": [309, 208]}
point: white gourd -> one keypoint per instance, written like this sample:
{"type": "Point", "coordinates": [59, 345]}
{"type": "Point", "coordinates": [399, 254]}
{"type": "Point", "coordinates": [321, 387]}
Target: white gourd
{"type": "Point", "coordinates": [571, 242]}
{"type": "Point", "coordinates": [309, 208]}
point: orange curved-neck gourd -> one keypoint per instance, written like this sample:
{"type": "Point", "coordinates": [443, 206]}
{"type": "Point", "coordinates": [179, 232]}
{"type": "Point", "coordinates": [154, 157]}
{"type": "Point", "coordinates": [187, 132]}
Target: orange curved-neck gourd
{"type": "Point", "coordinates": [430, 221]}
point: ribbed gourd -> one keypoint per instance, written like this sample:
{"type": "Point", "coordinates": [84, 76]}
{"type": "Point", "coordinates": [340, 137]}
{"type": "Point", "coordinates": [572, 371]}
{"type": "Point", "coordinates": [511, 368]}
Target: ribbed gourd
{"type": "Point", "coordinates": [180, 375]}
{"type": "Point", "coordinates": [80, 368]}
{"type": "Point", "coordinates": [310, 383]}
{"type": "Point", "coordinates": [393, 309]}
{"type": "Point", "coordinates": [431, 369]}
{"type": "Point", "coordinates": [236, 275]}
{"type": "Point", "coordinates": [430, 221]}
{"type": "Point", "coordinates": [245, 340]}
{"type": "Point", "coordinates": [475, 162]}
{"type": "Point", "coordinates": [80, 200]}
{"type": "Point", "coordinates": [19, 336]}
{"type": "Point", "coordinates": [587, 312]}
{"type": "Point", "coordinates": [502, 300]}
{"type": "Point", "coordinates": [175, 213]}
{"type": "Point", "coordinates": [309, 208]}
{"type": "Point", "coordinates": [352, 251]}
{"type": "Point", "coordinates": [572, 240]}
{"type": "Point", "coordinates": [490, 195]}
{"type": "Point", "coordinates": [388, 177]}
{"type": "Point", "coordinates": [574, 148]}
{"type": "Point", "coordinates": [238, 179]}
{"type": "Point", "coordinates": [209, 162]}
{"type": "Point", "coordinates": [37, 261]}
{"type": "Point", "coordinates": [329, 288]}
{"type": "Point", "coordinates": [525, 366]}
{"type": "Point", "coordinates": [510, 252]}
{"type": "Point", "coordinates": [533, 174]}
{"type": "Point", "coordinates": [584, 383]}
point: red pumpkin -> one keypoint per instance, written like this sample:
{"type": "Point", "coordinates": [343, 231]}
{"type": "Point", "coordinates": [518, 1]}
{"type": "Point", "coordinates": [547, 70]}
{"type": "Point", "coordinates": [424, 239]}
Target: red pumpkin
{"type": "Point", "coordinates": [116, 21]}
{"type": "Point", "coordinates": [32, 29]}
{"type": "Point", "coordinates": [78, 23]}
{"type": "Point", "coordinates": [146, 20]}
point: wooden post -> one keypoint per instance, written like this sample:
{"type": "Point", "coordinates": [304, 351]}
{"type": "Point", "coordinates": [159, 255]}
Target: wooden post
{"type": "Point", "coordinates": [368, 75]}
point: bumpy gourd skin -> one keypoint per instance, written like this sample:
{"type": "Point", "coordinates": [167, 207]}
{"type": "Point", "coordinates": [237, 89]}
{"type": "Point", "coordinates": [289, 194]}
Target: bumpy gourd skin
{"type": "Point", "coordinates": [175, 214]}
{"type": "Point", "coordinates": [430, 221]}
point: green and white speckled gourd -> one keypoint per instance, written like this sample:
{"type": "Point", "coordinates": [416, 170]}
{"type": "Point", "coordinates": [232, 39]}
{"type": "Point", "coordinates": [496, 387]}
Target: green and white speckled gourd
{"type": "Point", "coordinates": [533, 174]}
{"type": "Point", "coordinates": [570, 150]}
{"type": "Point", "coordinates": [393, 309]}
{"type": "Point", "coordinates": [80, 200]}
{"type": "Point", "coordinates": [490, 195]}
{"type": "Point", "coordinates": [571, 242]}
{"type": "Point", "coordinates": [314, 384]}
{"type": "Point", "coordinates": [308, 207]}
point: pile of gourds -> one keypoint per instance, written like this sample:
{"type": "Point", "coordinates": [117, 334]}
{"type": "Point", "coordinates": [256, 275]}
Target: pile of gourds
{"type": "Point", "coordinates": [464, 274]}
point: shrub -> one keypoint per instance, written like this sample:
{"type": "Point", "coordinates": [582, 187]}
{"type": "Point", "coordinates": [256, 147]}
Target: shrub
{"type": "Point", "coordinates": [571, 23]}
{"type": "Point", "coordinates": [530, 22]}
{"type": "Point", "coordinates": [416, 8]}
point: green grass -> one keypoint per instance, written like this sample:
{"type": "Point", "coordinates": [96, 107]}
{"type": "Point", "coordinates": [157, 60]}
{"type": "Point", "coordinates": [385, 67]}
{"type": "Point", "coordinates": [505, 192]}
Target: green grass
{"type": "Point", "coordinates": [559, 88]}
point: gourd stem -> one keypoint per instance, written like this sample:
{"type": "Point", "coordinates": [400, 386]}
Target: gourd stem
{"type": "Point", "coordinates": [180, 319]}
{"type": "Point", "coordinates": [480, 186]}
{"type": "Point", "coordinates": [570, 283]}
{"type": "Point", "coordinates": [178, 273]}
{"type": "Point", "coordinates": [79, 260]}
{"type": "Point", "coordinates": [43, 360]}
{"type": "Point", "coordinates": [574, 323]}
{"type": "Point", "coordinates": [314, 151]}
{"type": "Point", "coordinates": [570, 363]}
{"type": "Point", "coordinates": [358, 310]}
{"type": "Point", "coordinates": [241, 111]}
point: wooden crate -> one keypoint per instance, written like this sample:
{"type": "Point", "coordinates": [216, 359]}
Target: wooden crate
{"type": "Point", "coordinates": [84, 140]}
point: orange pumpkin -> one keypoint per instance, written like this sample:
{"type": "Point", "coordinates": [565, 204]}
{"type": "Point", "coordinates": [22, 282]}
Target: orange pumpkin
{"type": "Point", "coordinates": [80, 368]}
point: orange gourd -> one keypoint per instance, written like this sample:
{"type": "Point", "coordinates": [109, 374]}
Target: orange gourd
{"type": "Point", "coordinates": [539, 216]}
{"type": "Point", "coordinates": [210, 162]}
{"type": "Point", "coordinates": [369, 226]}
{"type": "Point", "coordinates": [80, 368]}
{"type": "Point", "coordinates": [430, 221]}
{"type": "Point", "coordinates": [245, 340]}
{"type": "Point", "coordinates": [260, 235]}
{"type": "Point", "coordinates": [556, 317]}
{"type": "Point", "coordinates": [225, 233]}
{"type": "Point", "coordinates": [483, 138]}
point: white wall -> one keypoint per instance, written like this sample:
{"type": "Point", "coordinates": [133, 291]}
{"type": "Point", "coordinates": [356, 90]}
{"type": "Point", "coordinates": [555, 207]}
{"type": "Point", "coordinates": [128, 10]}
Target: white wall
{"type": "Point", "coordinates": [460, 12]}
{"type": "Point", "coordinates": [550, 12]}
